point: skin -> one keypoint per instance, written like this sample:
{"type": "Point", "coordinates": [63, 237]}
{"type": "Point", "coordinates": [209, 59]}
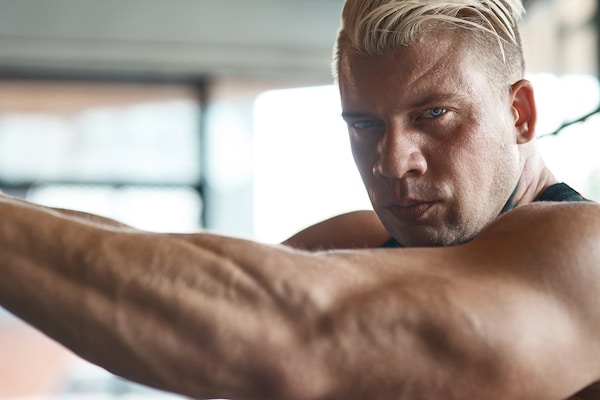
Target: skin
{"type": "Point", "coordinates": [509, 311]}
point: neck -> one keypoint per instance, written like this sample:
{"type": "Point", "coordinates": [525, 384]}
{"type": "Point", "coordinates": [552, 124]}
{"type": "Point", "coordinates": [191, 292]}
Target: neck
{"type": "Point", "coordinates": [535, 178]}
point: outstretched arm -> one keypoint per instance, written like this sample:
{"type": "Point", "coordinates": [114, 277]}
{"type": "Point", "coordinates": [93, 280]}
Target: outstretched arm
{"type": "Point", "coordinates": [209, 316]}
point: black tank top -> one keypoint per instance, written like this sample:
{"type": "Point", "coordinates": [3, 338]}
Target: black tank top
{"type": "Point", "coordinates": [557, 192]}
{"type": "Point", "coordinates": [560, 192]}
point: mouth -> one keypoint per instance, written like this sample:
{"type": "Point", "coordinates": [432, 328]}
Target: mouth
{"type": "Point", "coordinates": [411, 211]}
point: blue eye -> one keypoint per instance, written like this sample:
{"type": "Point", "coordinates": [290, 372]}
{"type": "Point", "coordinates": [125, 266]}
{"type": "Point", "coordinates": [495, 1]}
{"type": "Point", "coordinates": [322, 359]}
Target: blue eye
{"type": "Point", "coordinates": [435, 112]}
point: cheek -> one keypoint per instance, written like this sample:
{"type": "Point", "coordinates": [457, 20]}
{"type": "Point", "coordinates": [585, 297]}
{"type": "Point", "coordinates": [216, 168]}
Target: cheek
{"type": "Point", "coordinates": [462, 162]}
{"type": "Point", "coordinates": [484, 167]}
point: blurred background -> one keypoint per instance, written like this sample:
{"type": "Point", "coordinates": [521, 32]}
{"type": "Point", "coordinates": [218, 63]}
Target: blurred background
{"type": "Point", "coordinates": [183, 115]}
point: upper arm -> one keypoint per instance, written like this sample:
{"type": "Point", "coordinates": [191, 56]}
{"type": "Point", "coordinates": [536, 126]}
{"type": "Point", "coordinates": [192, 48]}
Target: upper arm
{"type": "Point", "coordinates": [533, 278]}
{"type": "Point", "coordinates": [358, 229]}
{"type": "Point", "coordinates": [540, 302]}
{"type": "Point", "coordinates": [512, 314]}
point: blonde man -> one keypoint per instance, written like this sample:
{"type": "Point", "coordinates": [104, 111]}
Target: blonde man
{"type": "Point", "coordinates": [489, 293]}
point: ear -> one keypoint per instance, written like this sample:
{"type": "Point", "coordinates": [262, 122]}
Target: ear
{"type": "Point", "coordinates": [524, 110]}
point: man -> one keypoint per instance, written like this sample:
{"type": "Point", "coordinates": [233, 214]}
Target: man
{"type": "Point", "coordinates": [489, 293]}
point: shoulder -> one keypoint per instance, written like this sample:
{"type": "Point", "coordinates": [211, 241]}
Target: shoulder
{"type": "Point", "coordinates": [511, 314]}
{"type": "Point", "coordinates": [547, 238]}
{"type": "Point", "coordinates": [546, 256]}
{"type": "Point", "coordinates": [570, 223]}
{"type": "Point", "coordinates": [552, 250]}
{"type": "Point", "coordinates": [357, 229]}
{"type": "Point", "coordinates": [514, 311]}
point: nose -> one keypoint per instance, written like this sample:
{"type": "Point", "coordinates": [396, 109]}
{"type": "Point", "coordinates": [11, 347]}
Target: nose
{"type": "Point", "coordinates": [399, 155]}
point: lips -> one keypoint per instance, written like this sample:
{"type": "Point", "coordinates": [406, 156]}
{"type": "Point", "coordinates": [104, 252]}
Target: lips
{"type": "Point", "coordinates": [411, 211]}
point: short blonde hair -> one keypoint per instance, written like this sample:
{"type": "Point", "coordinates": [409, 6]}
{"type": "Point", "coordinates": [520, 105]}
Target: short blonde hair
{"type": "Point", "coordinates": [372, 27]}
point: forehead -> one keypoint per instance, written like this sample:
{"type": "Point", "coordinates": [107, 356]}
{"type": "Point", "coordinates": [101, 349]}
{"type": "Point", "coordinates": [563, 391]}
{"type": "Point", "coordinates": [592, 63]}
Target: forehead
{"type": "Point", "coordinates": [433, 65]}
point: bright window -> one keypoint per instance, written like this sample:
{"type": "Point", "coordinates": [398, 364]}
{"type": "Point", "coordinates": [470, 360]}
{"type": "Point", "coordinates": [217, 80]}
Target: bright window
{"type": "Point", "coordinates": [304, 171]}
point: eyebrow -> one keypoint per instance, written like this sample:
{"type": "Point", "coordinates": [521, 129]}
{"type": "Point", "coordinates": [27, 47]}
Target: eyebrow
{"type": "Point", "coordinates": [440, 98]}
{"type": "Point", "coordinates": [352, 115]}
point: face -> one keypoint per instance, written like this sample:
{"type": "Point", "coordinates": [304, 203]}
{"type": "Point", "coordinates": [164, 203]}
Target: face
{"type": "Point", "coordinates": [434, 142]}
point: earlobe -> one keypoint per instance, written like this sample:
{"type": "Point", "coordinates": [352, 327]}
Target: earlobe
{"type": "Point", "coordinates": [524, 110]}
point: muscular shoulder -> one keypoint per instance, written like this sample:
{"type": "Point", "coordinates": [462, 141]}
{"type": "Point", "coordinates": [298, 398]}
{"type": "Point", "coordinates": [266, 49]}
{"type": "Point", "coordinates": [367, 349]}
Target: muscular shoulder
{"type": "Point", "coordinates": [559, 240]}
{"type": "Point", "coordinates": [358, 229]}
{"type": "Point", "coordinates": [518, 304]}
{"type": "Point", "coordinates": [548, 255]}
{"type": "Point", "coordinates": [512, 312]}
{"type": "Point", "coordinates": [569, 224]}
